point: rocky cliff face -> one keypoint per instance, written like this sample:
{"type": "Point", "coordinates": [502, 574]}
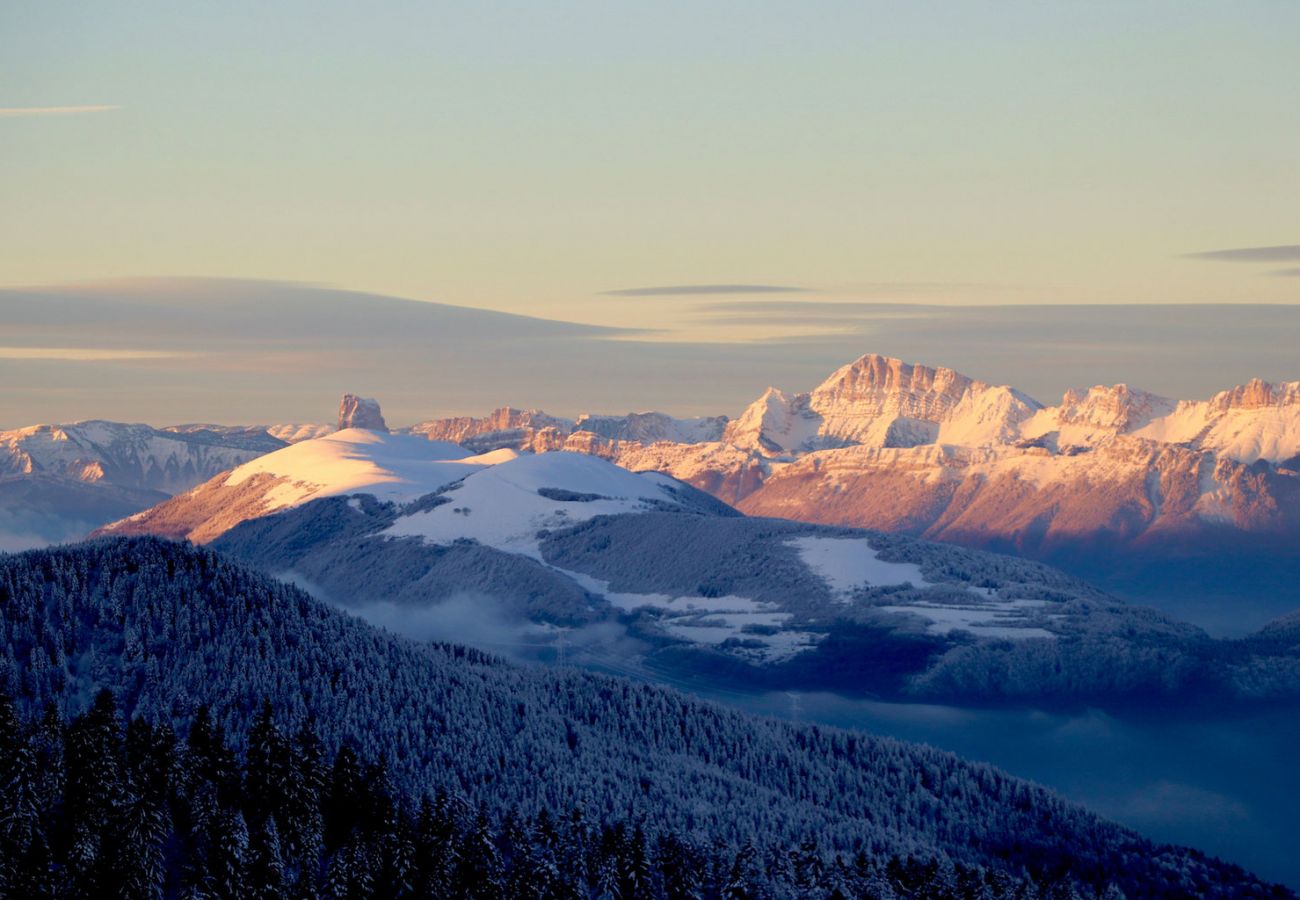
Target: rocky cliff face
{"type": "Point", "coordinates": [360, 412]}
{"type": "Point", "coordinates": [877, 401]}
{"type": "Point", "coordinates": [535, 431]}
{"type": "Point", "coordinates": [652, 427]}
{"type": "Point", "coordinates": [1257, 394]}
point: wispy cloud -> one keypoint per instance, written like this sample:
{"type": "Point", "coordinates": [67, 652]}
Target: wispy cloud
{"type": "Point", "coordinates": [1280, 253]}
{"type": "Point", "coordinates": [689, 290]}
{"type": "Point", "coordinates": [1286, 273]}
{"type": "Point", "coordinates": [85, 354]}
{"type": "Point", "coordinates": [21, 112]}
{"type": "Point", "coordinates": [834, 308]}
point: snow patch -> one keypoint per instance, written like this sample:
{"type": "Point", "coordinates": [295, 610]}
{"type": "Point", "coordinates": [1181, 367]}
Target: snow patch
{"type": "Point", "coordinates": [1001, 619]}
{"type": "Point", "coordinates": [849, 563]}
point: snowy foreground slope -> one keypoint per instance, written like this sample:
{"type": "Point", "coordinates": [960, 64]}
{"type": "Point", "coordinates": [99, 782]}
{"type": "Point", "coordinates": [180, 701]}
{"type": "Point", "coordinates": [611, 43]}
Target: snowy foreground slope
{"type": "Point", "coordinates": [568, 553]}
{"type": "Point", "coordinates": [153, 622]}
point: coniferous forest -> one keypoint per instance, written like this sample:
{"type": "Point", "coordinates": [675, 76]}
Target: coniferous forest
{"type": "Point", "coordinates": [176, 725]}
{"type": "Point", "coordinates": [95, 809]}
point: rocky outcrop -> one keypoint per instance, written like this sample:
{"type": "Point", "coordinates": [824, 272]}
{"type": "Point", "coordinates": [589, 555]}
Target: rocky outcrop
{"type": "Point", "coordinates": [651, 427]}
{"type": "Point", "coordinates": [535, 431]}
{"type": "Point", "coordinates": [361, 412]}
{"type": "Point", "coordinates": [504, 427]}
{"type": "Point", "coordinates": [878, 401]}
{"type": "Point", "coordinates": [1257, 394]}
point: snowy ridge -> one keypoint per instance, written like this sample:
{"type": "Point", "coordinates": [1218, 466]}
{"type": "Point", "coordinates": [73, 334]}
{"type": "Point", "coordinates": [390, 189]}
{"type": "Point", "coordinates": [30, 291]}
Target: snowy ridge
{"type": "Point", "coordinates": [500, 498]}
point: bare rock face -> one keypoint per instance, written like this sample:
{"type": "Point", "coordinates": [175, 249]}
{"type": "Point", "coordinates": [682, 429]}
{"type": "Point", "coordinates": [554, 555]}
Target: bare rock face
{"type": "Point", "coordinates": [1113, 410]}
{"type": "Point", "coordinates": [1257, 394]}
{"type": "Point", "coordinates": [361, 412]}
{"type": "Point", "coordinates": [878, 401]}
{"type": "Point", "coordinates": [504, 427]}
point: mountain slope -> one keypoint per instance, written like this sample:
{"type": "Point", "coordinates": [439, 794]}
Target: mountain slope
{"type": "Point", "coordinates": [155, 623]}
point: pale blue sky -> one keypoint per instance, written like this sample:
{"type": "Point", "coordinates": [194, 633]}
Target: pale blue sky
{"type": "Point", "coordinates": [529, 157]}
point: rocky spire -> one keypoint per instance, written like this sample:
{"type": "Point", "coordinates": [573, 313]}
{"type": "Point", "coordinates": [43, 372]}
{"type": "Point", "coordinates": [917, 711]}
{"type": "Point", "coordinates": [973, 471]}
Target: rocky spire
{"type": "Point", "coordinates": [360, 412]}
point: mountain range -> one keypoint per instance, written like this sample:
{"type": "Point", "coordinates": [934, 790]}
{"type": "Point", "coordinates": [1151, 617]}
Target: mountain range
{"type": "Point", "coordinates": [57, 482]}
{"type": "Point", "coordinates": [1165, 500]}
{"type": "Point", "coordinates": [1193, 506]}
{"type": "Point", "coordinates": [642, 572]}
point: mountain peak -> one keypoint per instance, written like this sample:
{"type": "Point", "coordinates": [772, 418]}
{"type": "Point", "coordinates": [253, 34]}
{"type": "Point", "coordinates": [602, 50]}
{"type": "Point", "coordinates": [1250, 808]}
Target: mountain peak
{"type": "Point", "coordinates": [1114, 409]}
{"type": "Point", "coordinates": [1256, 394]}
{"type": "Point", "coordinates": [876, 375]}
{"type": "Point", "coordinates": [361, 412]}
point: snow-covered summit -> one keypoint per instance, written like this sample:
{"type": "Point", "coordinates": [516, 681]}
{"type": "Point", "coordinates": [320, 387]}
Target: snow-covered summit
{"type": "Point", "coordinates": [1086, 417]}
{"type": "Point", "coordinates": [879, 401]}
{"type": "Point", "coordinates": [523, 491]}
{"type": "Point", "coordinates": [358, 460]}
{"type": "Point", "coordinates": [652, 427]}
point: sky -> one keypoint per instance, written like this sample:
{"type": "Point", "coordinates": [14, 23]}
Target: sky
{"type": "Point", "coordinates": [540, 158]}
{"type": "Point", "coordinates": [170, 351]}
{"type": "Point", "coordinates": [713, 196]}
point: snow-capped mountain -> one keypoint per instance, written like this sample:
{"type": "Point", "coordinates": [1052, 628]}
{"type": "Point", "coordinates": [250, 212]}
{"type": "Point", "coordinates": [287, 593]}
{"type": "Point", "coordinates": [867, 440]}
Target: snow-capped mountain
{"type": "Point", "coordinates": [1113, 483]}
{"type": "Point", "coordinates": [57, 482]}
{"type": "Point", "coordinates": [505, 427]}
{"type": "Point", "coordinates": [515, 495]}
{"type": "Point", "coordinates": [881, 402]}
{"type": "Point", "coordinates": [552, 543]}
{"type": "Point", "coordinates": [1144, 492]}
{"type": "Point", "coordinates": [130, 456]}
{"type": "Point", "coordinates": [639, 578]}
{"type": "Point", "coordinates": [536, 431]}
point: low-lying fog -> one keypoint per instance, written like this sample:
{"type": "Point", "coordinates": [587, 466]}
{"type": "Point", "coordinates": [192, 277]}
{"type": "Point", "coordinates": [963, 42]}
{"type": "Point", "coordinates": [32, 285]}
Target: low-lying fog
{"type": "Point", "coordinates": [1230, 787]}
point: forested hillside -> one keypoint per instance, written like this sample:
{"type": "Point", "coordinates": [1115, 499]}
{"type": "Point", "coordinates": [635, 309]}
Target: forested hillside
{"type": "Point", "coordinates": [93, 809]}
{"type": "Point", "coordinates": [169, 629]}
